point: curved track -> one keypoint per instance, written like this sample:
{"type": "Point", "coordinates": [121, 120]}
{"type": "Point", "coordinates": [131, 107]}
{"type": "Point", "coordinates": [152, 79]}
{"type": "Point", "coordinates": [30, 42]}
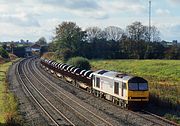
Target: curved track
{"type": "Point", "coordinates": [45, 105]}
{"type": "Point", "coordinates": [71, 103]}
{"type": "Point", "coordinates": [56, 104]}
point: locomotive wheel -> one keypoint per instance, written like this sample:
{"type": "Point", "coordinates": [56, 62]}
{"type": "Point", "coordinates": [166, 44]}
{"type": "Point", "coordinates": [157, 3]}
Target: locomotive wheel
{"type": "Point", "coordinates": [89, 90]}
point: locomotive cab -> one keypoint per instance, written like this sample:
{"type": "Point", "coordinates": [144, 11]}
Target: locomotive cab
{"type": "Point", "coordinates": [138, 91]}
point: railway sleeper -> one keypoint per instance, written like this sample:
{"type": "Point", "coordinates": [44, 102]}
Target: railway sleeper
{"type": "Point", "coordinates": [58, 75]}
{"type": "Point", "coordinates": [89, 89]}
{"type": "Point", "coordinates": [52, 71]}
{"type": "Point", "coordinates": [68, 79]}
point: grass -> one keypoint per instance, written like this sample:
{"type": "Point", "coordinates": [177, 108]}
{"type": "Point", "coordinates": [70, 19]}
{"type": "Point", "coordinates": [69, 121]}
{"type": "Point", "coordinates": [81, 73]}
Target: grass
{"type": "Point", "coordinates": [8, 102]}
{"type": "Point", "coordinates": [163, 77]}
{"type": "Point", "coordinates": [159, 69]}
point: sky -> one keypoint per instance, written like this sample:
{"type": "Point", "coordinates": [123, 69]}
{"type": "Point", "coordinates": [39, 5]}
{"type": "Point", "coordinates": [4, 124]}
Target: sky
{"type": "Point", "coordinates": [32, 19]}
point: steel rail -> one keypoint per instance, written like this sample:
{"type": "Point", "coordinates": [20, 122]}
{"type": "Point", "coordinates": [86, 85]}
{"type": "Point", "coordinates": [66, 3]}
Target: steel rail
{"type": "Point", "coordinates": [47, 101]}
{"type": "Point", "coordinates": [30, 93]}
{"type": "Point", "coordinates": [161, 118]}
{"type": "Point", "coordinates": [43, 77]}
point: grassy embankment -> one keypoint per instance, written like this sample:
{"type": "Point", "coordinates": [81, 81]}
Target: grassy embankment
{"type": "Point", "coordinates": [163, 77]}
{"type": "Point", "coordinates": [8, 103]}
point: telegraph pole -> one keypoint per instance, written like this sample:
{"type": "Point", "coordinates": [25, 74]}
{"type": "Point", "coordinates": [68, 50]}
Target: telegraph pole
{"type": "Point", "coordinates": [149, 20]}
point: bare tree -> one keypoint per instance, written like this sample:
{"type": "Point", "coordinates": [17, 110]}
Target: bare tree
{"type": "Point", "coordinates": [94, 32]}
{"type": "Point", "coordinates": [136, 31]}
{"type": "Point", "coordinates": [155, 34]}
{"type": "Point", "coordinates": [113, 33]}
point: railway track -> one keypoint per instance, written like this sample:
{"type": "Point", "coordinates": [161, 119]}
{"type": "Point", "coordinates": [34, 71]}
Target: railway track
{"type": "Point", "coordinates": [154, 119]}
{"type": "Point", "coordinates": [56, 117]}
{"type": "Point", "coordinates": [71, 103]}
{"type": "Point", "coordinates": [166, 121]}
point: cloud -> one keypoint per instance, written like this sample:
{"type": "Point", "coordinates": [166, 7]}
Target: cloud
{"type": "Point", "coordinates": [99, 15]}
{"type": "Point", "coordinates": [84, 4]}
{"type": "Point", "coordinates": [80, 8]}
{"type": "Point", "coordinates": [174, 1]}
{"type": "Point", "coordinates": [73, 4]}
{"type": "Point", "coordinates": [101, 9]}
{"type": "Point", "coordinates": [123, 6]}
{"type": "Point", "coordinates": [40, 17]}
{"type": "Point", "coordinates": [20, 19]}
{"type": "Point", "coordinates": [170, 31]}
{"type": "Point", "coordinates": [161, 12]}
{"type": "Point", "coordinates": [10, 1]}
{"type": "Point", "coordinates": [176, 28]}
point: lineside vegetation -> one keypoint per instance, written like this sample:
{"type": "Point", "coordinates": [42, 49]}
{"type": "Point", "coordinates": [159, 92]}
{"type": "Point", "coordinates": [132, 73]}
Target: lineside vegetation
{"type": "Point", "coordinates": [8, 103]}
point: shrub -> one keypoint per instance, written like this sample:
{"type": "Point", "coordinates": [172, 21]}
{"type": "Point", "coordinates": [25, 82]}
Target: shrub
{"type": "Point", "coordinates": [49, 55]}
{"type": "Point", "coordinates": [1, 60]}
{"type": "Point", "coordinates": [64, 54]}
{"type": "Point", "coordinates": [12, 56]}
{"type": "Point", "coordinates": [4, 53]}
{"type": "Point", "coordinates": [79, 62]}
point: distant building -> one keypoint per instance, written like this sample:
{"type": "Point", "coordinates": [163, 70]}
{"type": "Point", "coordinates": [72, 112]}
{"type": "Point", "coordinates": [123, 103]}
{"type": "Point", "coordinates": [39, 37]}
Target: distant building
{"type": "Point", "coordinates": [175, 42]}
{"type": "Point", "coordinates": [35, 48]}
{"type": "Point", "coordinates": [28, 51]}
{"type": "Point", "coordinates": [168, 44]}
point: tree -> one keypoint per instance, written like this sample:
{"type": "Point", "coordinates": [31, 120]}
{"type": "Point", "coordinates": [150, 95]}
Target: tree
{"type": "Point", "coordinates": [94, 33]}
{"type": "Point", "coordinates": [43, 50]}
{"type": "Point", "coordinates": [113, 33]}
{"type": "Point", "coordinates": [42, 41]}
{"type": "Point", "coordinates": [4, 46]}
{"type": "Point", "coordinates": [132, 49]}
{"type": "Point", "coordinates": [12, 45]}
{"type": "Point", "coordinates": [155, 34]}
{"type": "Point", "coordinates": [3, 53]}
{"type": "Point", "coordinates": [154, 51]}
{"type": "Point", "coordinates": [136, 31]}
{"type": "Point", "coordinates": [52, 47]}
{"type": "Point", "coordinates": [69, 36]}
{"type": "Point", "coordinates": [64, 54]}
{"type": "Point", "coordinates": [172, 52]}
{"type": "Point", "coordinates": [80, 62]}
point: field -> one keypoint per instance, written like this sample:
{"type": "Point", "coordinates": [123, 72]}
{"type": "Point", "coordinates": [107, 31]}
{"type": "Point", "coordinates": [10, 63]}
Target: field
{"type": "Point", "coordinates": [163, 77]}
{"type": "Point", "coordinates": [8, 104]}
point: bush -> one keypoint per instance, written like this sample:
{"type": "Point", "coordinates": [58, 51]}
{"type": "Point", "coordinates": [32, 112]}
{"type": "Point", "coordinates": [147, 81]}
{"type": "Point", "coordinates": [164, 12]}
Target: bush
{"type": "Point", "coordinates": [12, 56]}
{"type": "Point", "coordinates": [79, 62]}
{"type": "Point", "coordinates": [1, 60]}
{"type": "Point", "coordinates": [4, 53]}
{"type": "Point", "coordinates": [64, 54]}
{"type": "Point", "coordinates": [49, 55]}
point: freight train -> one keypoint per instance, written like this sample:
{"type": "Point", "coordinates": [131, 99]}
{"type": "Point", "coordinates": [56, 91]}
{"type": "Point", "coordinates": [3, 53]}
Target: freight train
{"type": "Point", "coordinates": [122, 89]}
